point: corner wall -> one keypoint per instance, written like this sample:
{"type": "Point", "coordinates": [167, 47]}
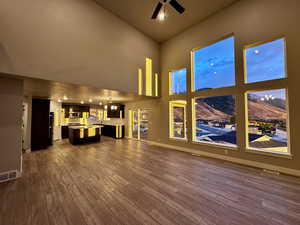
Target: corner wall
{"type": "Point", "coordinates": [250, 21]}
{"type": "Point", "coordinates": [11, 99]}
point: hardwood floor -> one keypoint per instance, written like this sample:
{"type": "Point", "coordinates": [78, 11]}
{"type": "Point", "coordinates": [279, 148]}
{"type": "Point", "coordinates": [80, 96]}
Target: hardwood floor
{"type": "Point", "coordinates": [128, 182]}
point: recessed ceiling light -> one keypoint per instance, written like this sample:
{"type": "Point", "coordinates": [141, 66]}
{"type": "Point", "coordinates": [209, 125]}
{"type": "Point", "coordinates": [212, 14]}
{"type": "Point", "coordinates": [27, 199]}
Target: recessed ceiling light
{"type": "Point", "coordinates": [59, 100]}
{"type": "Point", "coordinates": [100, 103]}
{"type": "Point", "coordinates": [256, 51]}
{"type": "Point", "coordinates": [90, 100]}
{"type": "Point", "coordinates": [82, 102]}
{"type": "Point", "coordinates": [65, 98]}
{"type": "Point", "coordinates": [105, 107]}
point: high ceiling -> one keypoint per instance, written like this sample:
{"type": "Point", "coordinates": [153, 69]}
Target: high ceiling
{"type": "Point", "coordinates": [138, 13]}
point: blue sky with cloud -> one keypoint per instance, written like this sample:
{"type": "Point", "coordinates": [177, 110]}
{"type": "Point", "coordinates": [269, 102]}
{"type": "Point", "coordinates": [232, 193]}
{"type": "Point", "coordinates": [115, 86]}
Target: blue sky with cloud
{"type": "Point", "coordinates": [214, 65]}
{"type": "Point", "coordinates": [179, 81]}
{"type": "Point", "coordinates": [266, 61]}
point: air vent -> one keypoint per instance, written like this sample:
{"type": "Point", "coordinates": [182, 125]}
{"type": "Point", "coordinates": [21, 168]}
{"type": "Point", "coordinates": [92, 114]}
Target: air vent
{"type": "Point", "coordinates": [10, 175]}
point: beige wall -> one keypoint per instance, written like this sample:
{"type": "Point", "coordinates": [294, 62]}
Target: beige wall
{"type": "Point", "coordinates": [250, 21]}
{"type": "Point", "coordinates": [11, 98]}
{"type": "Point", "coordinates": [74, 41]}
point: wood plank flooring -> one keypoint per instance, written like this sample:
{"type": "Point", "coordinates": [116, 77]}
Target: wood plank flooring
{"type": "Point", "coordinates": [127, 182]}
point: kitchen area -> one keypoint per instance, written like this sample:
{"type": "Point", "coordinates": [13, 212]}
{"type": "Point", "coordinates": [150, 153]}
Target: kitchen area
{"type": "Point", "coordinates": [86, 123]}
{"type": "Point", "coordinates": [78, 123]}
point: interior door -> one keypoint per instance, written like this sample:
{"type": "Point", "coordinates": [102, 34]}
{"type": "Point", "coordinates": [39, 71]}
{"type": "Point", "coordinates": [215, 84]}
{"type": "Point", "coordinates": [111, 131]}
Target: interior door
{"type": "Point", "coordinates": [144, 124]}
{"type": "Point", "coordinates": [135, 125]}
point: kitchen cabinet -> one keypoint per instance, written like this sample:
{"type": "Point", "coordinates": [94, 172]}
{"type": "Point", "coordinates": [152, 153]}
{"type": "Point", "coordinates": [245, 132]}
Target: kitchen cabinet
{"type": "Point", "coordinates": [116, 111]}
{"type": "Point", "coordinates": [64, 132]}
{"type": "Point", "coordinates": [75, 108]}
{"type": "Point", "coordinates": [114, 131]}
{"type": "Point", "coordinates": [82, 135]}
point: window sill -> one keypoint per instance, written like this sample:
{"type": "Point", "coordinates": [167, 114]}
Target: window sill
{"type": "Point", "coordinates": [178, 139]}
{"type": "Point", "coordinates": [221, 146]}
{"type": "Point", "coordinates": [269, 153]}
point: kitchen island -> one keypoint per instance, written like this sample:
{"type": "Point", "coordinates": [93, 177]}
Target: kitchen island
{"type": "Point", "coordinates": [113, 130]}
{"type": "Point", "coordinates": [84, 134]}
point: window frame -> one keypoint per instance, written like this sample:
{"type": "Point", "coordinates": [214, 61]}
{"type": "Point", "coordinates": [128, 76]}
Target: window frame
{"type": "Point", "coordinates": [192, 58]}
{"type": "Point", "coordinates": [240, 91]}
{"type": "Point", "coordinates": [172, 104]}
{"type": "Point", "coordinates": [265, 85]}
{"type": "Point", "coordinates": [250, 149]}
{"type": "Point", "coordinates": [194, 138]}
{"type": "Point", "coordinates": [171, 81]}
{"type": "Point", "coordinates": [258, 43]}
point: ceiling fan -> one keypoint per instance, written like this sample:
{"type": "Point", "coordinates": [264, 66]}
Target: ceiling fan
{"type": "Point", "coordinates": [161, 5]}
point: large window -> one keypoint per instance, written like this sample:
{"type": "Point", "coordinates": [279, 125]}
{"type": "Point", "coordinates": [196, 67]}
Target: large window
{"type": "Point", "coordinates": [267, 120]}
{"type": "Point", "coordinates": [213, 66]}
{"type": "Point", "coordinates": [177, 82]}
{"type": "Point", "coordinates": [214, 119]}
{"type": "Point", "coordinates": [267, 115]}
{"type": "Point", "coordinates": [177, 119]}
{"type": "Point", "coordinates": [266, 61]}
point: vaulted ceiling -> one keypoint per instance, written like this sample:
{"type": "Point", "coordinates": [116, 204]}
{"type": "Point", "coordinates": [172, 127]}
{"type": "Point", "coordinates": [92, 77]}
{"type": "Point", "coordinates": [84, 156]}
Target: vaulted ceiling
{"type": "Point", "coordinates": [138, 14]}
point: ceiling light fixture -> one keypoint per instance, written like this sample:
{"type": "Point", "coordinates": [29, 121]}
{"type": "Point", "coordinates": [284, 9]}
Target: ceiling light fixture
{"type": "Point", "coordinates": [90, 100]}
{"type": "Point", "coordinates": [162, 16]}
{"type": "Point", "coordinates": [100, 103]}
{"type": "Point", "coordinates": [82, 102]}
{"type": "Point", "coordinates": [59, 100]}
{"type": "Point", "coordinates": [160, 9]}
{"type": "Point", "coordinates": [65, 97]}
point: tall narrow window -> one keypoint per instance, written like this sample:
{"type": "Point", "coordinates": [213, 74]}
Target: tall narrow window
{"type": "Point", "coordinates": [156, 84]}
{"type": "Point", "coordinates": [214, 120]}
{"type": "Point", "coordinates": [214, 66]}
{"type": "Point", "coordinates": [267, 121]}
{"type": "Point", "coordinates": [266, 61]}
{"type": "Point", "coordinates": [148, 77]}
{"type": "Point", "coordinates": [177, 81]}
{"type": "Point", "coordinates": [140, 82]}
{"type": "Point", "coordinates": [177, 119]}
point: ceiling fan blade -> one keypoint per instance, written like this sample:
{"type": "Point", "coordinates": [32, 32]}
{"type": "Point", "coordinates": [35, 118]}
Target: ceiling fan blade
{"type": "Point", "coordinates": [156, 11]}
{"type": "Point", "coordinates": [177, 6]}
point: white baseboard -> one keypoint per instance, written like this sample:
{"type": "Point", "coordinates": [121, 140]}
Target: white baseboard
{"type": "Point", "coordinates": [265, 166]}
